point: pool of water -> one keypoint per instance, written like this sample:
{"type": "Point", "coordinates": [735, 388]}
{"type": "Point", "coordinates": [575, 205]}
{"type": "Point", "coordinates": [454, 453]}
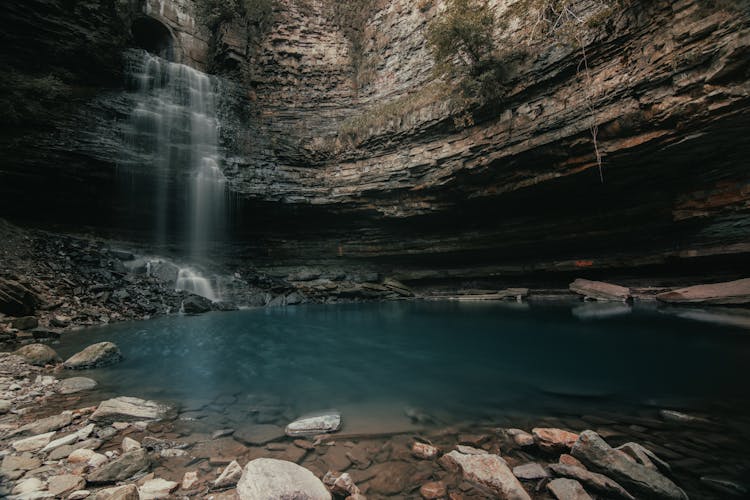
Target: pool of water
{"type": "Point", "coordinates": [383, 364]}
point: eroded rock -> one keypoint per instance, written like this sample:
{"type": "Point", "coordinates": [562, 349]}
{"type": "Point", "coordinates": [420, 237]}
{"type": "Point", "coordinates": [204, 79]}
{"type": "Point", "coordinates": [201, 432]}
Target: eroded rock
{"type": "Point", "coordinates": [94, 356]}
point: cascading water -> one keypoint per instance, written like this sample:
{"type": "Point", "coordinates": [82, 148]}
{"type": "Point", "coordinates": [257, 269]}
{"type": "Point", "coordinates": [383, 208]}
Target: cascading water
{"type": "Point", "coordinates": [174, 129]}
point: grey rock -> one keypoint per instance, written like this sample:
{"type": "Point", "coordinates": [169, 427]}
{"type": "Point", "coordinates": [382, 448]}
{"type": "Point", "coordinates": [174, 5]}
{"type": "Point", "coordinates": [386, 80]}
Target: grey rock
{"type": "Point", "coordinates": [122, 468]}
{"type": "Point", "coordinates": [39, 354]}
{"type": "Point", "coordinates": [25, 323]}
{"type": "Point", "coordinates": [164, 271]}
{"type": "Point", "coordinates": [530, 471]}
{"type": "Point", "coordinates": [596, 454]}
{"type": "Point", "coordinates": [46, 424]}
{"type": "Point", "coordinates": [592, 480]}
{"type": "Point", "coordinates": [94, 356]}
{"type": "Point", "coordinates": [266, 478]}
{"type": "Point", "coordinates": [726, 486]}
{"type": "Point", "coordinates": [645, 457]}
{"type": "Point", "coordinates": [195, 304]}
{"type": "Point", "coordinates": [127, 409]}
{"type": "Point", "coordinates": [322, 423]}
{"type": "Point", "coordinates": [156, 488]}
{"type": "Point", "coordinates": [567, 489]}
{"type": "Point", "coordinates": [61, 486]}
{"type": "Point", "coordinates": [600, 290]}
{"type": "Point", "coordinates": [230, 476]}
{"type": "Point", "coordinates": [75, 384]}
{"type": "Point", "coordinates": [33, 443]}
{"type": "Point", "coordinates": [490, 471]}
{"type": "Point", "coordinates": [127, 492]}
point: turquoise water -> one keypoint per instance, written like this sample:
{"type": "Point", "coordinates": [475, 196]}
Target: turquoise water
{"type": "Point", "coordinates": [448, 360]}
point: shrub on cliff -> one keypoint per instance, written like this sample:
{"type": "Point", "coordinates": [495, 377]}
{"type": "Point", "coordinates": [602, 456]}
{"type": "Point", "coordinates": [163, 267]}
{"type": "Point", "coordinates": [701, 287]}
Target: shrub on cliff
{"type": "Point", "coordinates": [462, 43]}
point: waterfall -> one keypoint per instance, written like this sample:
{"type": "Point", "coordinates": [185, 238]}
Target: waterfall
{"type": "Point", "coordinates": [174, 129]}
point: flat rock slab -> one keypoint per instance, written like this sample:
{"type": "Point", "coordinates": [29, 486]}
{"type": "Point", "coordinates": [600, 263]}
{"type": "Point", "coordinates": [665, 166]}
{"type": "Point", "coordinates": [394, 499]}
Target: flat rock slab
{"type": "Point", "coordinates": [63, 485]}
{"type": "Point", "coordinates": [94, 356]}
{"type": "Point", "coordinates": [76, 384]}
{"type": "Point", "coordinates": [46, 424]}
{"type": "Point", "coordinates": [314, 424]}
{"type": "Point", "coordinates": [258, 435]}
{"type": "Point", "coordinates": [127, 409]}
{"type": "Point", "coordinates": [567, 489]}
{"type": "Point", "coordinates": [23, 462]}
{"type": "Point", "coordinates": [33, 443]}
{"type": "Point", "coordinates": [592, 480]}
{"type": "Point", "coordinates": [127, 492]}
{"type": "Point", "coordinates": [600, 290]}
{"type": "Point", "coordinates": [125, 467]}
{"type": "Point", "coordinates": [490, 471]}
{"type": "Point", "coordinates": [531, 471]}
{"type": "Point", "coordinates": [266, 478]}
{"type": "Point", "coordinates": [596, 454]}
{"type": "Point", "coordinates": [156, 488]}
{"type": "Point", "coordinates": [730, 292]}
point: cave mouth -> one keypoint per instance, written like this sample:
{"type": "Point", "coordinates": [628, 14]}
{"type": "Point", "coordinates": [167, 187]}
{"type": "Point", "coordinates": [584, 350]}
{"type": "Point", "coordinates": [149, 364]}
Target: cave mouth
{"type": "Point", "coordinates": [153, 36]}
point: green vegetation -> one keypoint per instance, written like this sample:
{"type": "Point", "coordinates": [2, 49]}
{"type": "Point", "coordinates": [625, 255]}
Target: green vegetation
{"type": "Point", "coordinates": [463, 46]}
{"type": "Point", "coordinates": [26, 99]}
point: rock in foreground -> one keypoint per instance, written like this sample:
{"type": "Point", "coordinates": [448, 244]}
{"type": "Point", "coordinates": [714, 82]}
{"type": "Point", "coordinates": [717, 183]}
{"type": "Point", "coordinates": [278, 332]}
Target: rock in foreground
{"type": "Point", "coordinates": [599, 290]}
{"type": "Point", "coordinates": [94, 356]}
{"type": "Point", "coordinates": [266, 478]}
{"type": "Point", "coordinates": [595, 453]}
{"type": "Point", "coordinates": [727, 293]}
{"type": "Point", "coordinates": [490, 471]}
{"type": "Point", "coordinates": [126, 409]}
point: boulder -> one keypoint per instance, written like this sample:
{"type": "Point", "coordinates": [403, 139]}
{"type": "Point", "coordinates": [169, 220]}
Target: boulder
{"type": "Point", "coordinates": [94, 356]}
{"type": "Point", "coordinates": [120, 469]}
{"type": "Point", "coordinates": [599, 290]}
{"type": "Point", "coordinates": [265, 478]}
{"type": "Point", "coordinates": [553, 440]}
{"type": "Point", "coordinates": [592, 480]}
{"type": "Point", "coordinates": [490, 471]}
{"type": "Point", "coordinates": [315, 424]}
{"type": "Point", "coordinates": [195, 304]}
{"type": "Point", "coordinates": [154, 489]}
{"type": "Point", "coordinates": [567, 489]}
{"type": "Point", "coordinates": [127, 492]}
{"type": "Point", "coordinates": [16, 299]}
{"type": "Point", "coordinates": [730, 292]}
{"type": "Point", "coordinates": [596, 454]}
{"type": "Point", "coordinates": [25, 323]}
{"type": "Point", "coordinates": [75, 384]}
{"type": "Point", "coordinates": [127, 409]}
{"type": "Point", "coordinates": [39, 354]}
{"type": "Point", "coordinates": [229, 477]}
{"type": "Point", "coordinates": [164, 271]}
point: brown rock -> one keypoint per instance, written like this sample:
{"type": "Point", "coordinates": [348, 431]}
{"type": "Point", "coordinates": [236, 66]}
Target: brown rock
{"type": "Point", "coordinates": [730, 292]}
{"type": "Point", "coordinates": [592, 480]}
{"type": "Point", "coordinates": [566, 459]}
{"type": "Point", "coordinates": [567, 489]}
{"type": "Point", "coordinates": [391, 478]}
{"type": "Point", "coordinates": [599, 290]}
{"type": "Point", "coordinates": [63, 485]}
{"type": "Point", "coordinates": [553, 440]}
{"type": "Point", "coordinates": [434, 490]}
{"type": "Point", "coordinates": [424, 451]}
{"type": "Point", "coordinates": [490, 471]}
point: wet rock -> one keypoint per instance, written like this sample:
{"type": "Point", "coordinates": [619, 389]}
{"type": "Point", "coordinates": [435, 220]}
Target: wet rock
{"type": "Point", "coordinates": [645, 457]}
{"type": "Point", "coordinates": [424, 451]}
{"type": "Point", "coordinates": [519, 437]}
{"type": "Point", "coordinates": [94, 356]}
{"type": "Point", "coordinates": [127, 492]}
{"type": "Point", "coordinates": [567, 489]}
{"type": "Point", "coordinates": [392, 478]}
{"type": "Point", "coordinates": [304, 444]}
{"type": "Point", "coordinates": [490, 471]}
{"type": "Point", "coordinates": [154, 489]}
{"type": "Point", "coordinates": [229, 477]}
{"type": "Point", "coordinates": [434, 490]}
{"type": "Point", "coordinates": [337, 458]}
{"type": "Point", "coordinates": [530, 471]}
{"type": "Point", "coordinates": [128, 409]}
{"type": "Point", "coordinates": [59, 321]}
{"type": "Point", "coordinates": [16, 299]}
{"type": "Point", "coordinates": [266, 478]}
{"type": "Point", "coordinates": [598, 290]}
{"type": "Point", "coordinates": [730, 292]}
{"type": "Point", "coordinates": [122, 468]}
{"type": "Point", "coordinates": [164, 271]}
{"type": "Point", "coordinates": [63, 485]}
{"type": "Point", "coordinates": [75, 384]}
{"type": "Point", "coordinates": [554, 440]}
{"type": "Point", "coordinates": [39, 354]}
{"type": "Point", "coordinates": [25, 323]}
{"type": "Point", "coordinates": [33, 443]}
{"type": "Point", "coordinates": [725, 486]}
{"type": "Point", "coordinates": [595, 453]}
{"type": "Point", "coordinates": [683, 418]}
{"type": "Point", "coordinates": [195, 304]}
{"type": "Point", "coordinates": [189, 480]}
{"type": "Point", "coordinates": [340, 484]}
{"type": "Point", "coordinates": [314, 424]}
{"type": "Point", "coordinates": [258, 435]}
{"type": "Point", "coordinates": [592, 480]}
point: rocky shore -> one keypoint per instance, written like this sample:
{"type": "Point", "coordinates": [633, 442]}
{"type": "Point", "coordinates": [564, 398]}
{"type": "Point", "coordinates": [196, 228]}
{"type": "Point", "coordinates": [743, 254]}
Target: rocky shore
{"type": "Point", "coordinates": [56, 442]}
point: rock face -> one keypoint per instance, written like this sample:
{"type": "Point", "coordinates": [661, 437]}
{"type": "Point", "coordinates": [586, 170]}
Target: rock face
{"type": "Point", "coordinates": [595, 453]}
{"type": "Point", "coordinates": [733, 292]}
{"type": "Point", "coordinates": [490, 471]}
{"type": "Point", "coordinates": [94, 356]}
{"type": "Point", "coordinates": [265, 478]}
{"type": "Point", "coordinates": [126, 409]}
{"type": "Point", "coordinates": [39, 354]}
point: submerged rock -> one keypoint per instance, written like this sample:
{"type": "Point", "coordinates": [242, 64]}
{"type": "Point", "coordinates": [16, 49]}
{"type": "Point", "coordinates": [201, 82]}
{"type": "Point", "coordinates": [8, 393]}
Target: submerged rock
{"type": "Point", "coordinates": [39, 354]}
{"type": "Point", "coordinates": [594, 452]}
{"type": "Point", "coordinates": [530, 471]}
{"type": "Point", "coordinates": [94, 356]}
{"type": "Point", "coordinates": [265, 478]}
{"type": "Point", "coordinates": [127, 409]}
{"type": "Point", "coordinates": [259, 434]}
{"type": "Point", "coordinates": [490, 471]}
{"type": "Point", "coordinates": [314, 424]}
{"type": "Point", "coordinates": [599, 290]}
